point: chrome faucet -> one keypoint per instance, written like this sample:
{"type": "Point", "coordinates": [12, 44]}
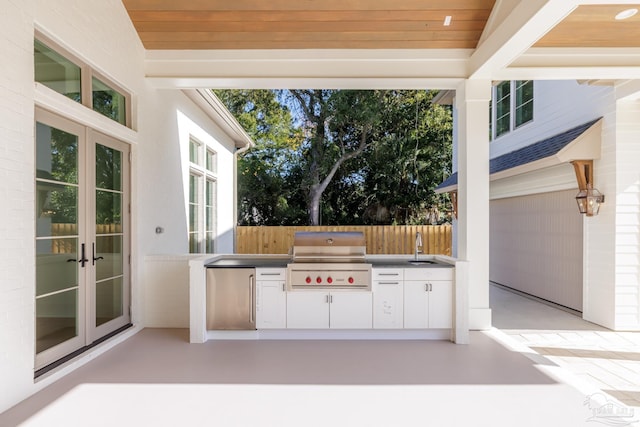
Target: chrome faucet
{"type": "Point", "coordinates": [418, 244]}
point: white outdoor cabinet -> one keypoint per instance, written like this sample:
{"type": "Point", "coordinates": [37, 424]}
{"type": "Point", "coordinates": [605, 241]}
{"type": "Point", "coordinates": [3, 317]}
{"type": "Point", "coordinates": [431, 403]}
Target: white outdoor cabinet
{"type": "Point", "coordinates": [428, 298]}
{"type": "Point", "coordinates": [271, 301]}
{"type": "Point", "coordinates": [388, 298]}
{"type": "Point", "coordinates": [323, 309]}
{"type": "Point", "coordinates": [416, 304]}
{"type": "Point", "coordinates": [308, 310]}
{"type": "Point", "coordinates": [441, 305]}
{"type": "Point", "coordinates": [350, 310]}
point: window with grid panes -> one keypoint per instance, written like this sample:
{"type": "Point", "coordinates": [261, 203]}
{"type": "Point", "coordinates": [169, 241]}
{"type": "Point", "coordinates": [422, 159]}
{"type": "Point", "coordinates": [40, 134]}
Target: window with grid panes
{"type": "Point", "coordinates": [202, 198]}
{"type": "Point", "coordinates": [60, 71]}
{"type": "Point", "coordinates": [511, 106]}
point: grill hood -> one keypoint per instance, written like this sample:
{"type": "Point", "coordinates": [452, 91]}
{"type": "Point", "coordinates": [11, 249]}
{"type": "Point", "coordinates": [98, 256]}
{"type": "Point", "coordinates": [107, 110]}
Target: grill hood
{"type": "Point", "coordinates": [329, 246]}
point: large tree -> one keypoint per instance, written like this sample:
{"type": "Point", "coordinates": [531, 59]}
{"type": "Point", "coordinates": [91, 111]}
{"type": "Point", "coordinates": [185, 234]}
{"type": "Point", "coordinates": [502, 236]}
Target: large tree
{"type": "Point", "coordinates": [341, 156]}
{"type": "Point", "coordinates": [340, 125]}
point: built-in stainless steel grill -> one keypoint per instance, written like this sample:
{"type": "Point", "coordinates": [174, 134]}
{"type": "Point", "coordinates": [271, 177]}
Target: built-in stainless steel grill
{"type": "Point", "coordinates": [329, 260]}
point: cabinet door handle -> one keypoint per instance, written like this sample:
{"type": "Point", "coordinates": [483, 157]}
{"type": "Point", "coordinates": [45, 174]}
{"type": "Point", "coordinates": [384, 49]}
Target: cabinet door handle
{"type": "Point", "coordinates": [430, 287]}
{"type": "Point", "coordinates": [330, 299]}
{"type": "Point", "coordinates": [326, 299]}
{"type": "Point", "coordinates": [269, 274]}
{"type": "Point", "coordinates": [388, 274]}
{"type": "Point", "coordinates": [251, 299]}
{"type": "Point", "coordinates": [388, 283]}
{"type": "Point", "coordinates": [283, 287]}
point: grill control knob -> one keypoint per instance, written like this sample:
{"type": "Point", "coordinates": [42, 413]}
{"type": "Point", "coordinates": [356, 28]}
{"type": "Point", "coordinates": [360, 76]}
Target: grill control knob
{"type": "Point", "coordinates": [329, 279]}
{"type": "Point", "coordinates": [350, 279]}
{"type": "Point", "coordinates": [318, 279]}
{"type": "Point", "coordinates": [308, 279]}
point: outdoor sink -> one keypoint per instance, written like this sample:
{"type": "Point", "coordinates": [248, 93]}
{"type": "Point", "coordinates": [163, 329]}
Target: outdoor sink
{"type": "Point", "coordinates": [418, 262]}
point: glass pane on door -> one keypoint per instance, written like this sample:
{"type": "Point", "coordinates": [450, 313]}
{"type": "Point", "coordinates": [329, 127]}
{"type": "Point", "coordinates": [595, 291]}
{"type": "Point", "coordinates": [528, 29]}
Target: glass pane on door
{"type": "Point", "coordinates": [57, 277]}
{"type": "Point", "coordinates": [56, 319]}
{"type": "Point", "coordinates": [109, 296]}
{"type": "Point", "coordinates": [109, 255]}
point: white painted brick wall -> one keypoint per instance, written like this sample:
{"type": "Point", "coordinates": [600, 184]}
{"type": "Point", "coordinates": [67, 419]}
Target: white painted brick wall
{"type": "Point", "coordinates": [16, 201]}
{"type": "Point", "coordinates": [100, 33]}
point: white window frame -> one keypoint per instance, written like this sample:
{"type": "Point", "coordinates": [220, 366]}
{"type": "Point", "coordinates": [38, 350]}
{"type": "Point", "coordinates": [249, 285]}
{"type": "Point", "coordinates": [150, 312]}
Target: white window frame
{"type": "Point", "coordinates": [513, 106]}
{"type": "Point", "coordinates": [204, 175]}
{"type": "Point", "coordinates": [87, 73]}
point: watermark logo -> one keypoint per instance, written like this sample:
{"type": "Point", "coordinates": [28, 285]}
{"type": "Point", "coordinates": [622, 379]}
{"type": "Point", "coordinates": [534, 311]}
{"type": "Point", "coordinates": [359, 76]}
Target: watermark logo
{"type": "Point", "coordinates": [607, 411]}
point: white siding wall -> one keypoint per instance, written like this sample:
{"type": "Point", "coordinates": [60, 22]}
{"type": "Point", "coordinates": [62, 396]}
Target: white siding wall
{"type": "Point", "coordinates": [557, 107]}
{"type": "Point", "coordinates": [613, 262]}
{"type": "Point", "coordinates": [599, 269]}
{"type": "Point", "coordinates": [555, 178]}
{"type": "Point", "coordinates": [101, 34]}
{"type": "Point", "coordinates": [536, 246]}
{"type": "Point", "coordinates": [627, 244]}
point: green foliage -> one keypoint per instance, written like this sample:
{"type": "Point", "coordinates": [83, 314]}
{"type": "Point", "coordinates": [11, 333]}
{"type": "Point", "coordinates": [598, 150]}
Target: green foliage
{"type": "Point", "coordinates": [364, 157]}
{"type": "Point", "coordinates": [265, 188]}
{"type": "Point", "coordinates": [413, 157]}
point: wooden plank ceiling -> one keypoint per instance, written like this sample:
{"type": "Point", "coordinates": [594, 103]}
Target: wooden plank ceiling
{"type": "Point", "coordinates": [595, 26]}
{"type": "Point", "coordinates": [309, 24]}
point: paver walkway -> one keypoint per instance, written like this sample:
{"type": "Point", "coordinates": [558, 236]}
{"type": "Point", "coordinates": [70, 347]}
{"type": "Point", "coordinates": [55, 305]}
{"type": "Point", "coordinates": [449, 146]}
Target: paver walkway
{"type": "Point", "coordinates": [600, 357]}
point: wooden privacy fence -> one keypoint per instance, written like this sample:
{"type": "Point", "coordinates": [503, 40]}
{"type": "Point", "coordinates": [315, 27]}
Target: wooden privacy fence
{"type": "Point", "coordinates": [383, 239]}
{"type": "Point", "coordinates": [68, 245]}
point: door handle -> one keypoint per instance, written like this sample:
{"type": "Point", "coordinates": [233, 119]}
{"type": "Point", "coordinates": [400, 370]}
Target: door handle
{"type": "Point", "coordinates": [83, 258]}
{"type": "Point", "coordinates": [93, 254]}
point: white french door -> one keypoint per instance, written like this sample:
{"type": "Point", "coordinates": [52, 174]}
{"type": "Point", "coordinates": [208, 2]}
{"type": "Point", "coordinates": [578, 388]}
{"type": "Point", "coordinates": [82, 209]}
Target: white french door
{"type": "Point", "coordinates": [82, 236]}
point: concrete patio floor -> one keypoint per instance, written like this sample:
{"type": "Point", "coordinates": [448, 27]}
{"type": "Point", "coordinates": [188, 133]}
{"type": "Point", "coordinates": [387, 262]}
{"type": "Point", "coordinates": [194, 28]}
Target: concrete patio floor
{"type": "Point", "coordinates": [500, 379]}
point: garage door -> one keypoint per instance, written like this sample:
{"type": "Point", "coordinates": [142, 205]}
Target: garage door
{"type": "Point", "coordinates": [536, 246]}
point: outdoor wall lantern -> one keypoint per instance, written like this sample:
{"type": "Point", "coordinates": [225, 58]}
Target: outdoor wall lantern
{"type": "Point", "coordinates": [588, 198]}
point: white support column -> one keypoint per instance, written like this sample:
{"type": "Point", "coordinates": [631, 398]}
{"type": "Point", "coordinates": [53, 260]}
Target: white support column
{"type": "Point", "coordinates": [472, 105]}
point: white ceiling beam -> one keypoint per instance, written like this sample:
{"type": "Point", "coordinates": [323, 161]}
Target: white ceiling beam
{"type": "Point", "coordinates": [628, 90]}
{"type": "Point", "coordinates": [500, 11]}
{"type": "Point", "coordinates": [609, 2]}
{"type": "Point", "coordinates": [525, 25]}
{"type": "Point", "coordinates": [307, 68]}
{"type": "Point", "coordinates": [573, 57]}
{"type": "Point", "coordinates": [568, 72]}
{"type": "Point", "coordinates": [259, 82]}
